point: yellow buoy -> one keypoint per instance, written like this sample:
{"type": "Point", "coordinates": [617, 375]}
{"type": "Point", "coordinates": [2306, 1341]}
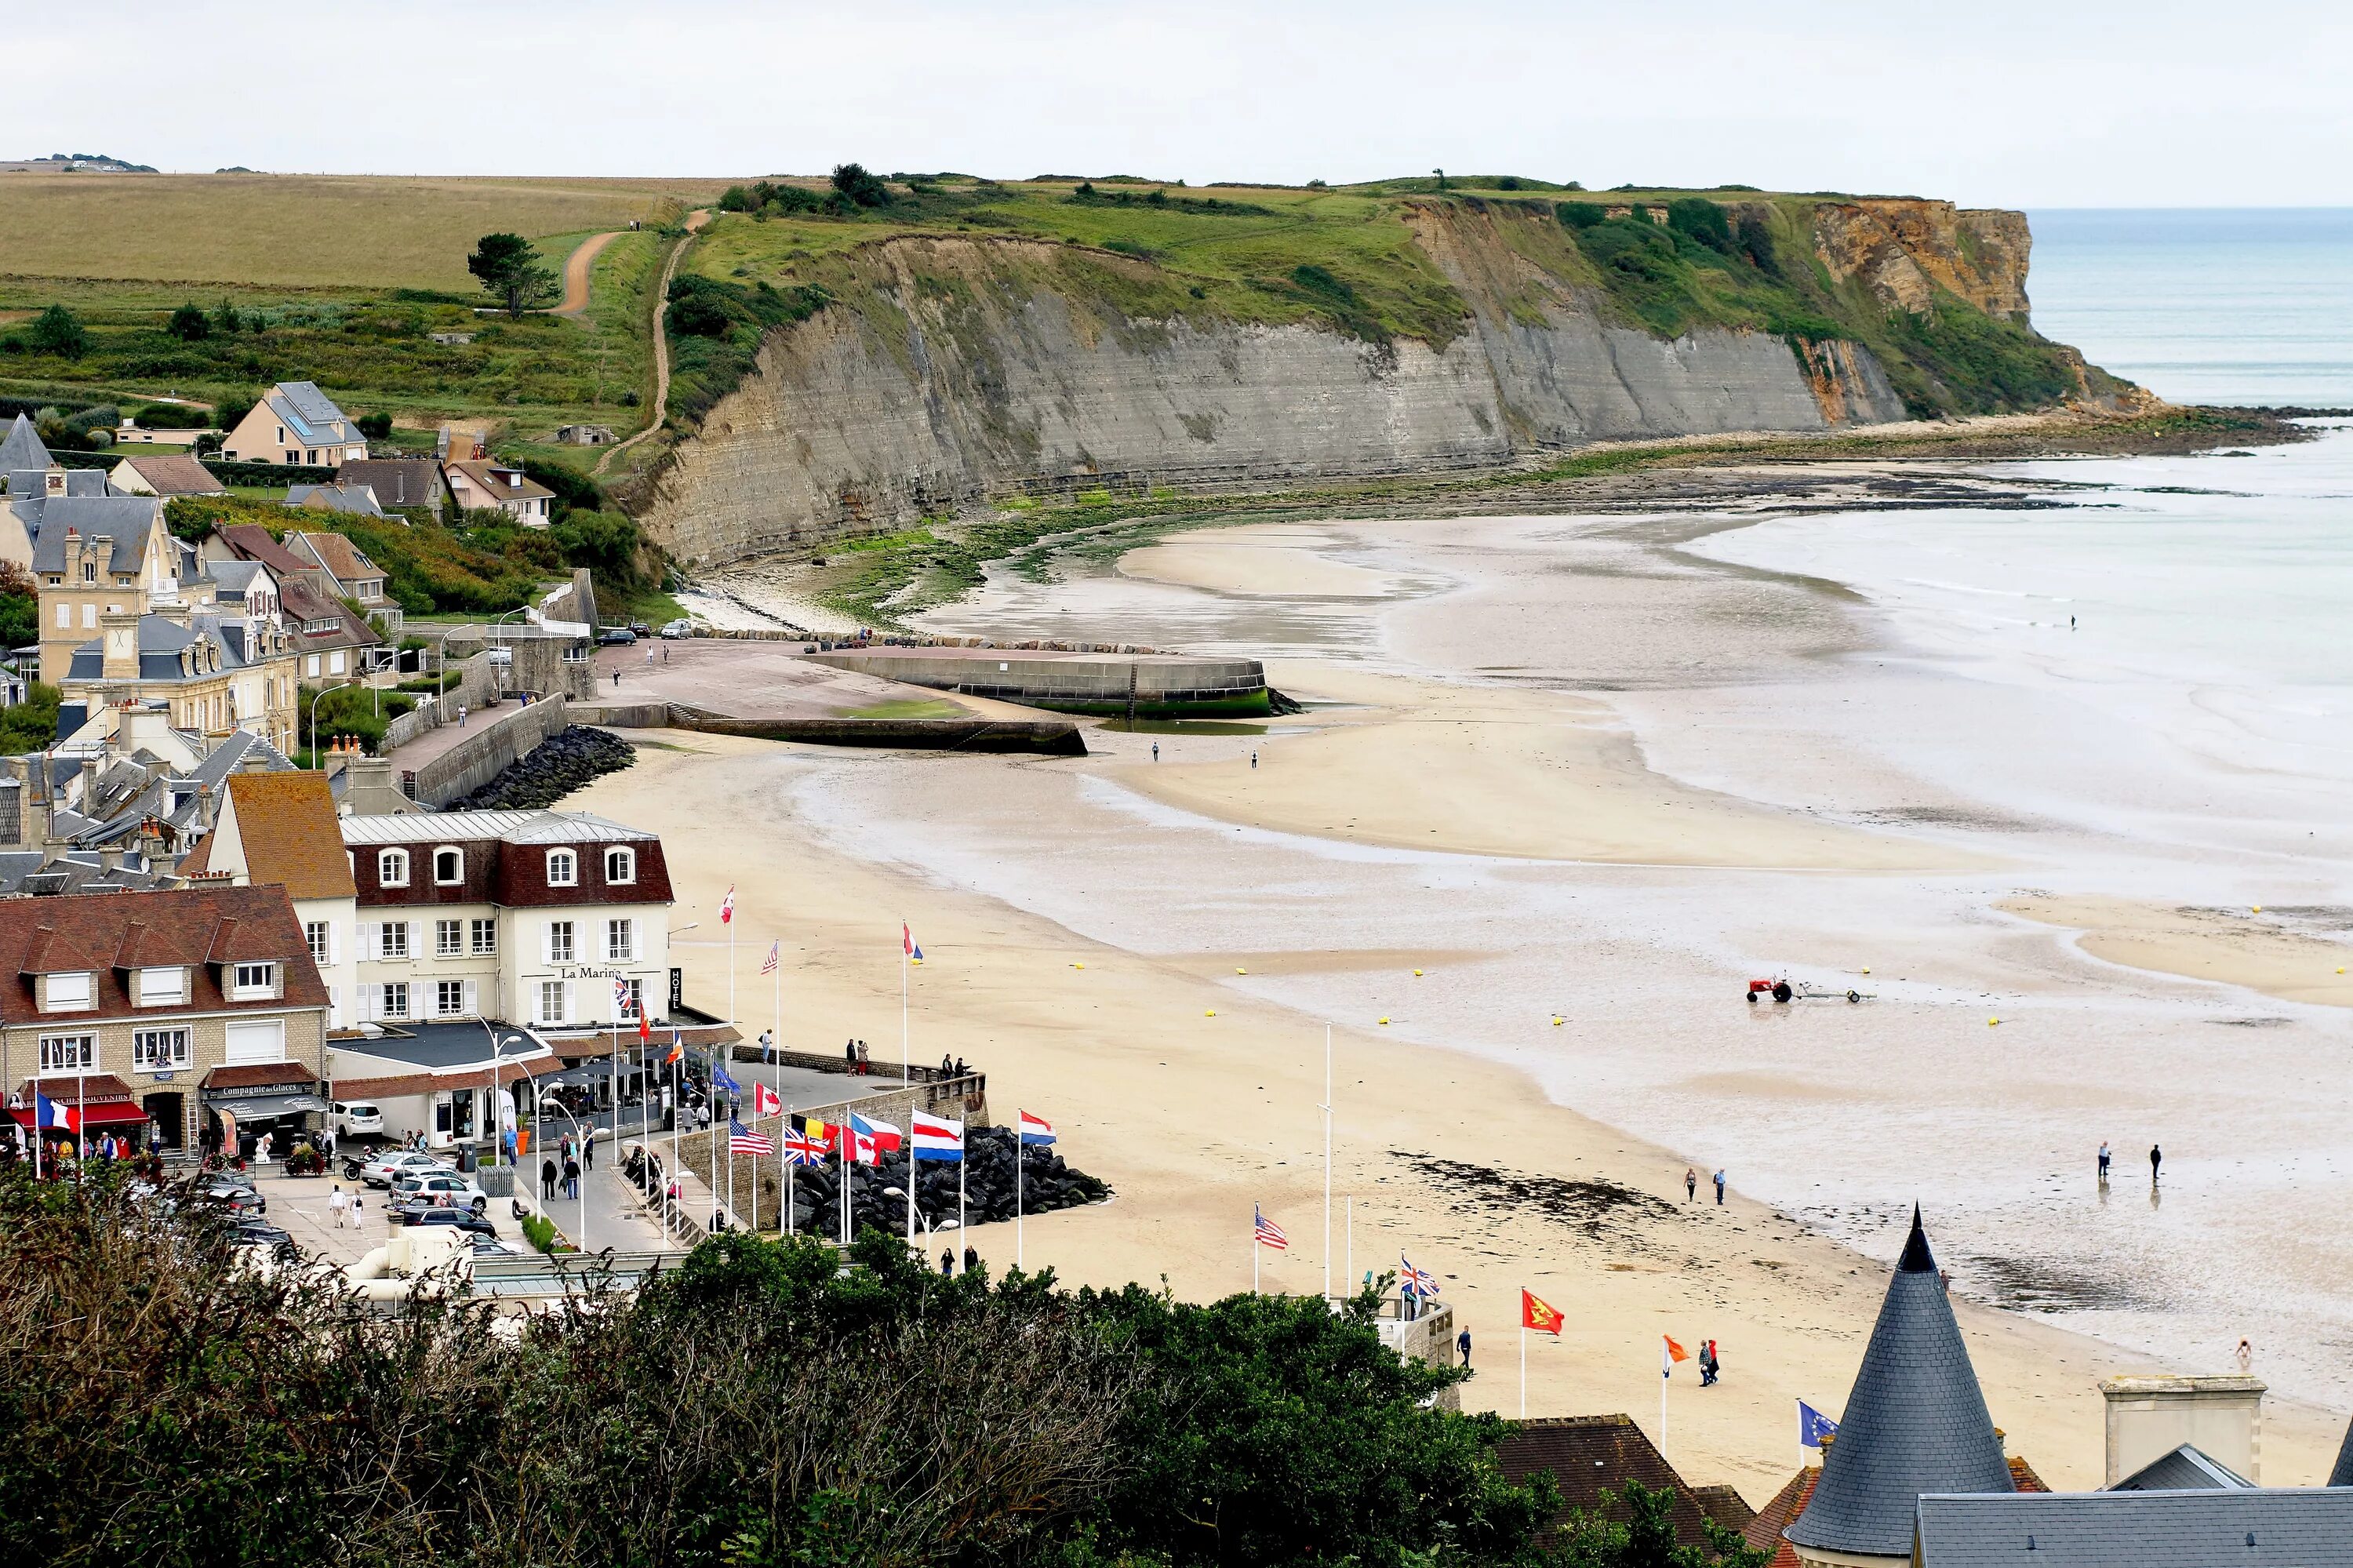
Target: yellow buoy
{"type": "Point", "coordinates": [1866, 968]}
{"type": "Point", "coordinates": [2259, 909]}
{"type": "Point", "coordinates": [1555, 1024]}
{"type": "Point", "coordinates": [1077, 966]}
{"type": "Point", "coordinates": [1991, 1022]}
{"type": "Point", "coordinates": [1210, 1013]}
{"type": "Point", "coordinates": [1384, 1021]}
{"type": "Point", "coordinates": [1240, 971]}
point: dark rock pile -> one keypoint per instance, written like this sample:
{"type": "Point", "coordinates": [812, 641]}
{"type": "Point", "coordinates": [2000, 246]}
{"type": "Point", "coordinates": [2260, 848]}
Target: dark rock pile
{"type": "Point", "coordinates": [551, 770]}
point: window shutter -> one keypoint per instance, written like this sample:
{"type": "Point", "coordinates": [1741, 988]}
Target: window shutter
{"type": "Point", "coordinates": [415, 938]}
{"type": "Point", "coordinates": [468, 1001]}
{"type": "Point", "coordinates": [368, 1003]}
{"type": "Point", "coordinates": [570, 1013]}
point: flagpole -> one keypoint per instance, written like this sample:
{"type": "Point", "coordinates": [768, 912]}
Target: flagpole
{"type": "Point", "coordinates": [1348, 1223]}
{"type": "Point", "coordinates": [841, 1156]}
{"type": "Point", "coordinates": [905, 940]}
{"type": "Point", "coordinates": [1523, 1372]}
{"type": "Point", "coordinates": [1017, 1187]}
{"type": "Point", "coordinates": [1665, 1374]}
{"type": "Point", "coordinates": [677, 1108]}
{"type": "Point", "coordinates": [785, 1126]}
{"type": "Point", "coordinates": [961, 1153]}
{"type": "Point", "coordinates": [1255, 1249]}
{"type": "Point", "coordinates": [1327, 1162]}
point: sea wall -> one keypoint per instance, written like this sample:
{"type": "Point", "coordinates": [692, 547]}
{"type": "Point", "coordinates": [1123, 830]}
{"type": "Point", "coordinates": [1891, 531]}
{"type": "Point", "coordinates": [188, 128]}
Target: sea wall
{"type": "Point", "coordinates": [960, 374]}
{"type": "Point", "coordinates": [492, 746]}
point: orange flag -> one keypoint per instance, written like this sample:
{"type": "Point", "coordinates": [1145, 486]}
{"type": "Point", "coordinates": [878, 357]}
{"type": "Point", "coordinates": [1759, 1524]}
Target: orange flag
{"type": "Point", "coordinates": [1669, 1355]}
{"type": "Point", "coordinates": [1538, 1314]}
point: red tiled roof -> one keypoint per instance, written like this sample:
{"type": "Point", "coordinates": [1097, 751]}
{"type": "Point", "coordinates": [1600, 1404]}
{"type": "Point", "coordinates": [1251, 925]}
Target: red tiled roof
{"type": "Point", "coordinates": [1763, 1534]}
{"type": "Point", "coordinates": [260, 1075]}
{"type": "Point", "coordinates": [252, 542]}
{"type": "Point", "coordinates": [200, 928]}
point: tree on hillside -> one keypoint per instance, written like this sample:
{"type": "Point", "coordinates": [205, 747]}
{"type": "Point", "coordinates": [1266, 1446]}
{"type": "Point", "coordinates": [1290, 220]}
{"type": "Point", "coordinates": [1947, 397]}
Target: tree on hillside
{"type": "Point", "coordinates": [55, 330]}
{"type": "Point", "coordinates": [511, 271]}
{"type": "Point", "coordinates": [190, 325]}
{"type": "Point", "coordinates": [860, 184]}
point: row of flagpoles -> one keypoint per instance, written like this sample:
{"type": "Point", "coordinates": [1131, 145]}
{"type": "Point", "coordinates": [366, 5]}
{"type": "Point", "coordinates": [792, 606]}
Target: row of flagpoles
{"type": "Point", "coordinates": [862, 1141]}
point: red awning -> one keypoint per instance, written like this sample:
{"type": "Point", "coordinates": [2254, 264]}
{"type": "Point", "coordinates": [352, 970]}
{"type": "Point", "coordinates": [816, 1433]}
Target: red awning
{"type": "Point", "coordinates": [108, 1113]}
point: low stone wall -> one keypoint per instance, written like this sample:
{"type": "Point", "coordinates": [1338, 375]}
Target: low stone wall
{"type": "Point", "coordinates": [1048, 738]}
{"type": "Point", "coordinates": [477, 689]}
{"type": "Point", "coordinates": [486, 752]}
{"type": "Point", "coordinates": [1154, 686]}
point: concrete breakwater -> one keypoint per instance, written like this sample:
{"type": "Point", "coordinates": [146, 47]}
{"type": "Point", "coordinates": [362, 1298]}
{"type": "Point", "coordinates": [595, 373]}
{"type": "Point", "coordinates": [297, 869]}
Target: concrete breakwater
{"type": "Point", "coordinates": [1139, 685]}
{"type": "Point", "coordinates": [1046, 737]}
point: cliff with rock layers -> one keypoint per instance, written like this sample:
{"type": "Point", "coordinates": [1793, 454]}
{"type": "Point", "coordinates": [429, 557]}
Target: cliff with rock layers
{"type": "Point", "coordinates": [949, 368]}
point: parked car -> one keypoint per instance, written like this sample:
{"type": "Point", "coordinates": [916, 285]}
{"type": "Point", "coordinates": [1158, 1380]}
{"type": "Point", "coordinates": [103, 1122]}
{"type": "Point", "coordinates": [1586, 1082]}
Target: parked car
{"type": "Point", "coordinates": [486, 1245]}
{"type": "Point", "coordinates": [472, 1223]}
{"type": "Point", "coordinates": [238, 1198]}
{"type": "Point", "coordinates": [359, 1119]}
{"type": "Point", "coordinates": [384, 1169]}
{"type": "Point", "coordinates": [433, 1186]}
{"type": "Point", "coordinates": [253, 1232]}
{"type": "Point", "coordinates": [616, 637]}
{"type": "Point", "coordinates": [677, 629]}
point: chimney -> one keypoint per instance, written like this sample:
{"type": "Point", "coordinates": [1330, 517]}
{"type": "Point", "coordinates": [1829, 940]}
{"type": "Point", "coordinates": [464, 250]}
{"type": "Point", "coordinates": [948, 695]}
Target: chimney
{"type": "Point", "coordinates": [2149, 1417]}
{"type": "Point", "coordinates": [110, 857]}
{"type": "Point", "coordinates": [204, 809]}
{"type": "Point", "coordinates": [119, 650]}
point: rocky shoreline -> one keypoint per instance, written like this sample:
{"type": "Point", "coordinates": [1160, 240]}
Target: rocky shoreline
{"type": "Point", "coordinates": [568, 760]}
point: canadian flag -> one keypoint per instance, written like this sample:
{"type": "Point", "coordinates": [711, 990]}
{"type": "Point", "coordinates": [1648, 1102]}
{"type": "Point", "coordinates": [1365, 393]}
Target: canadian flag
{"type": "Point", "coordinates": [727, 905]}
{"type": "Point", "coordinates": [765, 1101]}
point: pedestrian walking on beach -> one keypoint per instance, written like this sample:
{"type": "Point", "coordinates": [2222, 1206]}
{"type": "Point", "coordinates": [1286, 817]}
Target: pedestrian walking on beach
{"type": "Point", "coordinates": [2246, 1358]}
{"type": "Point", "coordinates": [1719, 1178]}
{"type": "Point", "coordinates": [2104, 1162]}
{"type": "Point", "coordinates": [1253, 758]}
{"type": "Point", "coordinates": [2156, 1159]}
{"type": "Point", "coordinates": [1463, 1343]}
{"type": "Point", "coordinates": [1155, 751]}
{"type": "Point", "coordinates": [1707, 1362]}
{"type": "Point", "coordinates": [547, 1179]}
{"type": "Point", "coordinates": [339, 1203]}
{"type": "Point", "coordinates": [1691, 1185]}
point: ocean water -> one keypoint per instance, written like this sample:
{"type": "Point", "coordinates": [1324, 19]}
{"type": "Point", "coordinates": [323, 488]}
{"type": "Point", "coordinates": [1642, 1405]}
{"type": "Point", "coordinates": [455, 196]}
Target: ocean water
{"type": "Point", "coordinates": [2243, 306]}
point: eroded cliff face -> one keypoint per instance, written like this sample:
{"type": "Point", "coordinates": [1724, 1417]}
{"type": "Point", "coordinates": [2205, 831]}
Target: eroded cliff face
{"type": "Point", "coordinates": [1905, 250]}
{"type": "Point", "coordinates": [960, 369]}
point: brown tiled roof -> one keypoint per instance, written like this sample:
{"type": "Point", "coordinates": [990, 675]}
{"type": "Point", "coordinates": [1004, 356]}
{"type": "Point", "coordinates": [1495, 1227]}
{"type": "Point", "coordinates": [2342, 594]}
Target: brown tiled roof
{"type": "Point", "coordinates": [287, 823]}
{"type": "Point", "coordinates": [252, 542]}
{"type": "Point", "coordinates": [303, 603]}
{"type": "Point", "coordinates": [398, 481]}
{"type": "Point", "coordinates": [260, 1075]}
{"type": "Point", "coordinates": [177, 473]}
{"type": "Point", "coordinates": [1763, 1534]}
{"type": "Point", "coordinates": [199, 928]}
{"type": "Point", "coordinates": [337, 554]}
{"type": "Point", "coordinates": [478, 473]}
{"type": "Point", "coordinates": [1589, 1454]}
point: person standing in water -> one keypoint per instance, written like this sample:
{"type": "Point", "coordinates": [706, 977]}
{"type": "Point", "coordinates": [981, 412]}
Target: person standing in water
{"type": "Point", "coordinates": [2104, 1162]}
{"type": "Point", "coordinates": [2156, 1159]}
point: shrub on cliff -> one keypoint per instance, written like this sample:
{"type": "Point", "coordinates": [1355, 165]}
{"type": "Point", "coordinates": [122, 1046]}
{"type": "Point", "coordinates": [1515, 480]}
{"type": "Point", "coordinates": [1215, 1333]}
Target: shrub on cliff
{"type": "Point", "coordinates": [855, 183]}
{"type": "Point", "coordinates": [1704, 221]}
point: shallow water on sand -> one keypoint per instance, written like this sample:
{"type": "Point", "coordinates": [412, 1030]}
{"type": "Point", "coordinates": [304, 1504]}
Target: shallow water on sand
{"type": "Point", "coordinates": [2184, 745]}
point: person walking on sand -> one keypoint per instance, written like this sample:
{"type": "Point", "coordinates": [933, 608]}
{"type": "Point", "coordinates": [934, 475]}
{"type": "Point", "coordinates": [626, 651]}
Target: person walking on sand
{"type": "Point", "coordinates": [2104, 1162]}
{"type": "Point", "coordinates": [1155, 751]}
{"type": "Point", "coordinates": [1691, 1185]}
{"type": "Point", "coordinates": [1463, 1343]}
{"type": "Point", "coordinates": [1719, 1178]}
{"type": "Point", "coordinates": [1707, 1363]}
{"type": "Point", "coordinates": [1253, 758]}
{"type": "Point", "coordinates": [2155, 1160]}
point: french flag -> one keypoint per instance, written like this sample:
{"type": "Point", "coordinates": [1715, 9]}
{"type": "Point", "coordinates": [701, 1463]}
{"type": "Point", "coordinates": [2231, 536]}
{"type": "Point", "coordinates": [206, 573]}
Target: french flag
{"type": "Point", "coordinates": [907, 943]}
{"type": "Point", "coordinates": [937, 1137]}
{"type": "Point", "coordinates": [1036, 1128]}
{"type": "Point", "coordinates": [49, 1113]}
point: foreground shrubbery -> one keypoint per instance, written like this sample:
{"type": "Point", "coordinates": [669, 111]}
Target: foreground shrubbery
{"type": "Point", "coordinates": [751, 1405]}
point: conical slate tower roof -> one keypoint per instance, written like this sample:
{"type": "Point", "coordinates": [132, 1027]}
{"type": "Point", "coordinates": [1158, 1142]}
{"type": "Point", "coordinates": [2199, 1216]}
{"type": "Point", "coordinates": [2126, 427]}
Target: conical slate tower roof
{"type": "Point", "coordinates": [1916, 1423]}
{"type": "Point", "coordinates": [22, 451]}
{"type": "Point", "coordinates": [2342, 1476]}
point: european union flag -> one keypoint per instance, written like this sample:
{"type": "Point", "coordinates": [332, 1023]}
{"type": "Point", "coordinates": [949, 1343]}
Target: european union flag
{"type": "Point", "coordinates": [721, 1079]}
{"type": "Point", "coordinates": [1813, 1426]}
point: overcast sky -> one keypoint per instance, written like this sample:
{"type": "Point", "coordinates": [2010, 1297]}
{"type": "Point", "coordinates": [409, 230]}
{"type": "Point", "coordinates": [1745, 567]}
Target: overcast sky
{"type": "Point", "coordinates": [1997, 102]}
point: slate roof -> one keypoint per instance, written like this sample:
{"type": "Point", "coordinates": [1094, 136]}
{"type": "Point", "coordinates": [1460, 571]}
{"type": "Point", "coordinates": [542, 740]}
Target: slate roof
{"type": "Point", "coordinates": [127, 522]}
{"type": "Point", "coordinates": [2302, 1527]}
{"type": "Point", "coordinates": [160, 643]}
{"type": "Point", "coordinates": [2183, 1470]}
{"type": "Point", "coordinates": [1915, 1421]}
{"type": "Point", "coordinates": [398, 481]}
{"type": "Point", "coordinates": [357, 499]}
{"type": "Point", "coordinates": [22, 451]}
{"type": "Point", "coordinates": [1587, 1454]}
{"type": "Point", "coordinates": [309, 412]}
{"type": "Point", "coordinates": [87, 482]}
{"type": "Point", "coordinates": [2342, 1474]}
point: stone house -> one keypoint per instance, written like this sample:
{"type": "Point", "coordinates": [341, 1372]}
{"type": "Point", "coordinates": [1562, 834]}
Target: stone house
{"type": "Point", "coordinates": [198, 1010]}
{"type": "Point", "coordinates": [94, 556]}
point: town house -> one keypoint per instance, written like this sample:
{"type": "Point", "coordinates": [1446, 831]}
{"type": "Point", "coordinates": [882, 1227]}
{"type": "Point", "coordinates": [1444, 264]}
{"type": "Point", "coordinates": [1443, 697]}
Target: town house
{"type": "Point", "coordinates": [278, 829]}
{"type": "Point", "coordinates": [482, 485]}
{"type": "Point", "coordinates": [198, 1010]}
{"type": "Point", "coordinates": [295, 423]}
{"type": "Point", "coordinates": [557, 920]}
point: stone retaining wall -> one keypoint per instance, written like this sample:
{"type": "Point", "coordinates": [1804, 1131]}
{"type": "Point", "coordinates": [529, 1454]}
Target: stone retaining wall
{"type": "Point", "coordinates": [477, 689]}
{"type": "Point", "coordinates": [1076, 684]}
{"type": "Point", "coordinates": [486, 752]}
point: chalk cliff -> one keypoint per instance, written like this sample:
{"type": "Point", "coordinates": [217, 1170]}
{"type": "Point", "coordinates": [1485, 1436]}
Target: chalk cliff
{"type": "Point", "coordinates": [965, 367]}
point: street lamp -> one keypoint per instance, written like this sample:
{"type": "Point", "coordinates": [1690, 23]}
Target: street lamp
{"type": "Point", "coordinates": [503, 671]}
{"type": "Point", "coordinates": [490, 1100]}
{"type": "Point", "coordinates": [321, 692]}
{"type": "Point", "coordinates": [566, 1114]}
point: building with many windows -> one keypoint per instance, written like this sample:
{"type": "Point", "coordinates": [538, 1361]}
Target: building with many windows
{"type": "Point", "coordinates": [557, 920]}
{"type": "Point", "coordinates": [278, 829]}
{"type": "Point", "coordinates": [198, 1011]}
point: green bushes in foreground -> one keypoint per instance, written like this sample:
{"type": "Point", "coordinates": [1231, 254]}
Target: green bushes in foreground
{"type": "Point", "coordinates": [751, 1405]}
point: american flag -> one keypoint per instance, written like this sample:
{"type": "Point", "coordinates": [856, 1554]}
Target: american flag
{"type": "Point", "coordinates": [768, 964]}
{"type": "Point", "coordinates": [741, 1139]}
{"type": "Point", "coordinates": [1269, 1232]}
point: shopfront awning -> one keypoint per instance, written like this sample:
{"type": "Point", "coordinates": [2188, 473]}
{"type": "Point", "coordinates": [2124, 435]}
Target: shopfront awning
{"type": "Point", "coordinates": [108, 1113]}
{"type": "Point", "coordinates": [249, 1108]}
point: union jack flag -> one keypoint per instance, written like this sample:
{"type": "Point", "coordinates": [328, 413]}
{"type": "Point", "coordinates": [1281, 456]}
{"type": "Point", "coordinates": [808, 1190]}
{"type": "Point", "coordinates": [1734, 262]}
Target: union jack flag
{"type": "Point", "coordinates": [1269, 1232]}
{"type": "Point", "coordinates": [741, 1139]}
{"type": "Point", "coordinates": [1420, 1281]}
{"type": "Point", "coordinates": [807, 1147]}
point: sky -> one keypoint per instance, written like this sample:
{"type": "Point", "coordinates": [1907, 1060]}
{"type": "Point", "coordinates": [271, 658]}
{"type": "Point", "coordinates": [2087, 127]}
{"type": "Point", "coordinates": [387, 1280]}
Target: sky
{"type": "Point", "coordinates": [2054, 103]}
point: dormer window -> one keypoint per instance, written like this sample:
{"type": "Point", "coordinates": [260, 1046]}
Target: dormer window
{"type": "Point", "coordinates": [621, 865]}
{"type": "Point", "coordinates": [392, 867]}
{"type": "Point", "coordinates": [90, 571]}
{"type": "Point", "coordinates": [163, 987]}
{"type": "Point", "coordinates": [252, 983]}
{"type": "Point", "coordinates": [67, 993]}
{"type": "Point", "coordinates": [448, 867]}
{"type": "Point", "coordinates": [563, 869]}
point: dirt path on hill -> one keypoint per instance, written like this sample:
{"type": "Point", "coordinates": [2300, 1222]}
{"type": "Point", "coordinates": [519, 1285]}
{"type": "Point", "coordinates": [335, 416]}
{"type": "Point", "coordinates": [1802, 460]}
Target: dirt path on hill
{"type": "Point", "coordinates": [576, 269]}
{"type": "Point", "coordinates": [694, 222]}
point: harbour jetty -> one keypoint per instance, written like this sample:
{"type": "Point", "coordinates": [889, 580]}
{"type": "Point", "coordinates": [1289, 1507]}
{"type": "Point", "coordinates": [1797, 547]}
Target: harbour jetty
{"type": "Point", "coordinates": [1117, 685]}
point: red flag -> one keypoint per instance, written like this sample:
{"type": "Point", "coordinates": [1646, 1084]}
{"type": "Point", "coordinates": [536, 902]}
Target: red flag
{"type": "Point", "coordinates": [1669, 1355]}
{"type": "Point", "coordinates": [727, 905]}
{"type": "Point", "coordinates": [1538, 1314]}
{"type": "Point", "coordinates": [765, 1102]}
{"type": "Point", "coordinates": [645, 1027]}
